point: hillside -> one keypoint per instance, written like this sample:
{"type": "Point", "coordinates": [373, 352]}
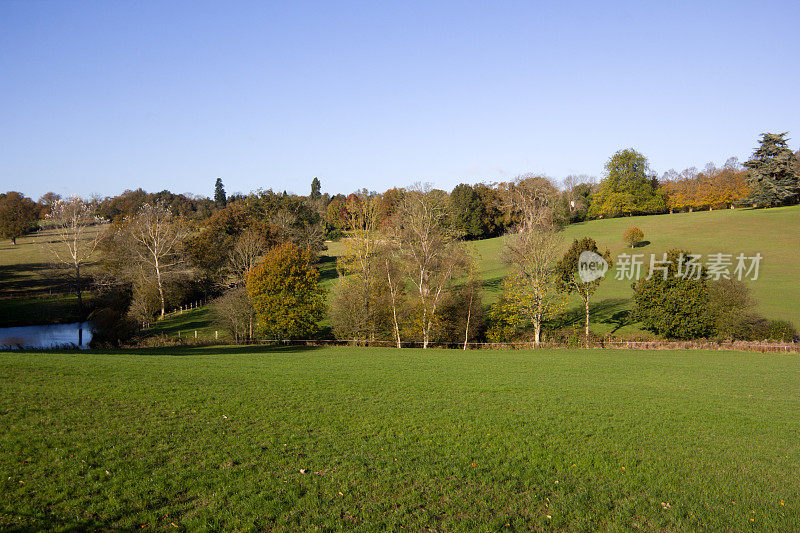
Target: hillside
{"type": "Point", "coordinates": [775, 233]}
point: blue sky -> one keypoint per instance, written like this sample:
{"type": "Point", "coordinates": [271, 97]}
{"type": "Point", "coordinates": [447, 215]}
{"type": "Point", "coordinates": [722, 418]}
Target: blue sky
{"type": "Point", "coordinates": [98, 97]}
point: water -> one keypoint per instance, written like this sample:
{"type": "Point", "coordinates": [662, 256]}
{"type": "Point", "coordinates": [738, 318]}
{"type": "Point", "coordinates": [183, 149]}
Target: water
{"type": "Point", "coordinates": [75, 335]}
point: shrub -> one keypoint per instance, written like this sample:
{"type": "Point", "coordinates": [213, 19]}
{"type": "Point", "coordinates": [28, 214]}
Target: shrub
{"type": "Point", "coordinates": [672, 306]}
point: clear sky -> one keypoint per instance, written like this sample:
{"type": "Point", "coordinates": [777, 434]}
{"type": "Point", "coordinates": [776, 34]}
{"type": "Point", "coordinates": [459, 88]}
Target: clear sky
{"type": "Point", "coordinates": [102, 96]}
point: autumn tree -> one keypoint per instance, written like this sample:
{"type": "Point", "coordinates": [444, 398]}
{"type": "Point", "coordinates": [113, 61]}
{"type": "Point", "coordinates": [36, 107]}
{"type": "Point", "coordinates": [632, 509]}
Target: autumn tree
{"type": "Point", "coordinates": [47, 201]}
{"type": "Point", "coordinates": [633, 236]}
{"type": "Point", "coordinates": [572, 281]}
{"type": "Point", "coordinates": [234, 312]}
{"type": "Point", "coordinates": [248, 251]}
{"type": "Point", "coordinates": [531, 201]}
{"type": "Point", "coordinates": [772, 173]}
{"type": "Point", "coordinates": [531, 249]}
{"type": "Point", "coordinates": [285, 293]}
{"type": "Point", "coordinates": [18, 215]}
{"type": "Point", "coordinates": [356, 309]}
{"type": "Point", "coordinates": [75, 241]}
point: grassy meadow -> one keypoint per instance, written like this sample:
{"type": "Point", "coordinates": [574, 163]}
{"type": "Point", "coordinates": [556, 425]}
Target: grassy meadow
{"type": "Point", "coordinates": [32, 289]}
{"type": "Point", "coordinates": [366, 439]}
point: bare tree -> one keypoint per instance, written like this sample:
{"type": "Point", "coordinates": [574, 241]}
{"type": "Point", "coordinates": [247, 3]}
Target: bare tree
{"type": "Point", "coordinates": [390, 271]}
{"type": "Point", "coordinates": [248, 251]}
{"type": "Point", "coordinates": [75, 241]}
{"type": "Point", "coordinates": [156, 239]}
{"type": "Point", "coordinates": [432, 253]}
{"type": "Point", "coordinates": [530, 201]}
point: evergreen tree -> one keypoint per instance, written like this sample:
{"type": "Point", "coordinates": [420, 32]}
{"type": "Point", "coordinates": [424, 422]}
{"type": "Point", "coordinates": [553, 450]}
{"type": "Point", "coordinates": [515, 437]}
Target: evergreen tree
{"type": "Point", "coordinates": [220, 198]}
{"type": "Point", "coordinates": [467, 212]}
{"type": "Point", "coordinates": [772, 173]}
{"type": "Point", "coordinates": [316, 189]}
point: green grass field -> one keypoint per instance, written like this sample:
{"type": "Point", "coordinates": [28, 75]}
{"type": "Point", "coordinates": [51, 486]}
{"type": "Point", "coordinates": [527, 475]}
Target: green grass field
{"type": "Point", "coordinates": [32, 290]}
{"type": "Point", "coordinates": [367, 439]}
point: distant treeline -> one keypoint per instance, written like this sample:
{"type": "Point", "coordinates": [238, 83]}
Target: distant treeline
{"type": "Point", "coordinates": [404, 272]}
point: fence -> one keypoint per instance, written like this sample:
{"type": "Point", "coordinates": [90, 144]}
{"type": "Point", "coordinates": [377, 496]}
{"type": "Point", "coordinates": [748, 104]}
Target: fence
{"type": "Point", "coordinates": [191, 337]}
{"type": "Point", "coordinates": [177, 311]}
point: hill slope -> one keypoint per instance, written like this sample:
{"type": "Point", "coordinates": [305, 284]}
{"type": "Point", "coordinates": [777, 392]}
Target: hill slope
{"type": "Point", "coordinates": [774, 233]}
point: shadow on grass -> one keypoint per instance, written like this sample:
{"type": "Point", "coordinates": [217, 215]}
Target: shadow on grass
{"type": "Point", "coordinates": [45, 520]}
{"type": "Point", "coordinates": [493, 284]}
{"type": "Point", "coordinates": [327, 268]}
{"type": "Point", "coordinates": [213, 350]}
{"type": "Point", "coordinates": [191, 325]}
{"type": "Point", "coordinates": [181, 351]}
{"type": "Point", "coordinates": [607, 311]}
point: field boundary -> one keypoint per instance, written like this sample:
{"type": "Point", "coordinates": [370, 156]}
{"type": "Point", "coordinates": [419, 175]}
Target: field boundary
{"type": "Point", "coordinates": [754, 346]}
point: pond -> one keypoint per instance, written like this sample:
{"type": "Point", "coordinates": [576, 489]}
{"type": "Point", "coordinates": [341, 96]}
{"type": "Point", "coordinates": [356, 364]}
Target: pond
{"type": "Point", "coordinates": [75, 335]}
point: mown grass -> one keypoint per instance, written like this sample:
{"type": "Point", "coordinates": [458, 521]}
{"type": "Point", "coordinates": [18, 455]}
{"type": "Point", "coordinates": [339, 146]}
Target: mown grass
{"type": "Point", "coordinates": [367, 439]}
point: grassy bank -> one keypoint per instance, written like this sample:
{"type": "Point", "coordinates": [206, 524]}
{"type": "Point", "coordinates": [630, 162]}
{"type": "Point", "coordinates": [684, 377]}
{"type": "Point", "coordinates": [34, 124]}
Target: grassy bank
{"type": "Point", "coordinates": [238, 438]}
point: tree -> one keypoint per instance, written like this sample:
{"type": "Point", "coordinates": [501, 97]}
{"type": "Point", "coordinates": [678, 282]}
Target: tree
{"type": "Point", "coordinates": [47, 201]}
{"type": "Point", "coordinates": [466, 212]}
{"type": "Point", "coordinates": [531, 201]}
{"type": "Point", "coordinates": [633, 236]}
{"type": "Point", "coordinates": [234, 311]}
{"type": "Point", "coordinates": [285, 293]}
{"type": "Point", "coordinates": [772, 173]}
{"type": "Point", "coordinates": [570, 279]}
{"type": "Point", "coordinates": [74, 243]}
{"type": "Point", "coordinates": [358, 261]}
{"type": "Point", "coordinates": [431, 253]}
{"type": "Point", "coordinates": [627, 189]}
{"type": "Point", "coordinates": [153, 242]}
{"type": "Point", "coordinates": [220, 198]}
{"type": "Point", "coordinates": [673, 302]}
{"type": "Point", "coordinates": [316, 189]}
{"type": "Point", "coordinates": [531, 291]}
{"type": "Point", "coordinates": [249, 250]}
{"type": "Point", "coordinates": [18, 215]}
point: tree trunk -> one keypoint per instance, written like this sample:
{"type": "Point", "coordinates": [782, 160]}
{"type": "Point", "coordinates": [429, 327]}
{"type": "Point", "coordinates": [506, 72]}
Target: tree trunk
{"type": "Point", "coordinates": [78, 289]}
{"type": "Point", "coordinates": [394, 309]}
{"type": "Point", "coordinates": [13, 241]}
{"type": "Point", "coordinates": [161, 296]}
{"type": "Point", "coordinates": [537, 330]}
{"type": "Point", "coordinates": [586, 304]}
{"type": "Point", "coordinates": [469, 315]}
{"type": "Point", "coordinates": [160, 287]}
